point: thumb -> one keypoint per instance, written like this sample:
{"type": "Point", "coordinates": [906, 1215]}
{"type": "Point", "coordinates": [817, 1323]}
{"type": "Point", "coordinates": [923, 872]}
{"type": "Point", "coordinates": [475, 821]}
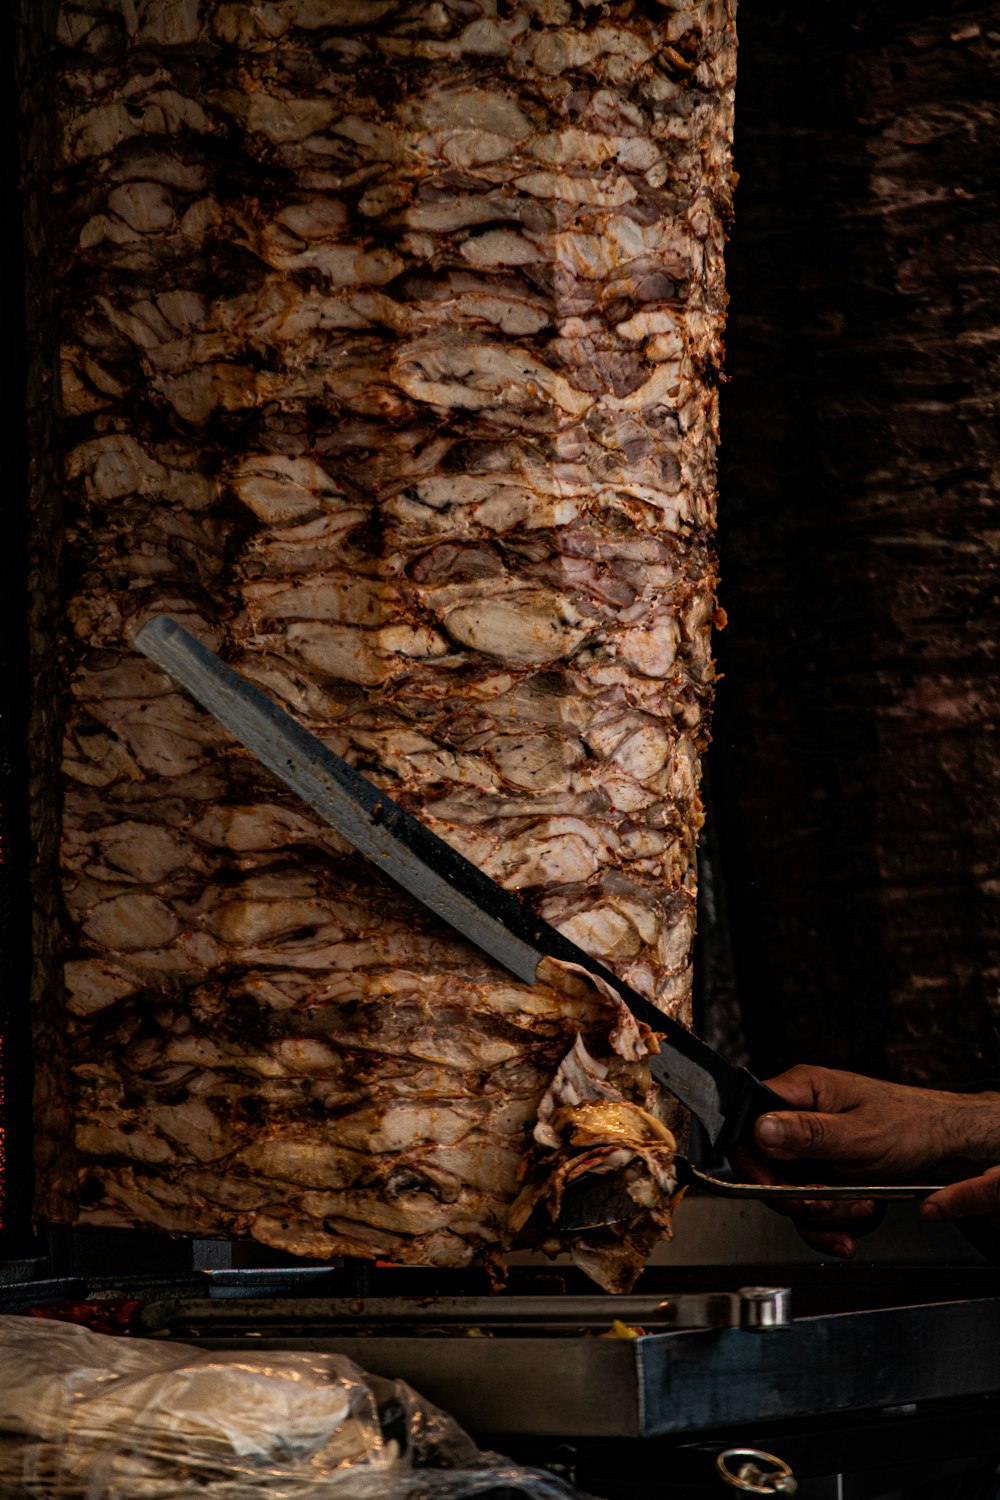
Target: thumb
{"type": "Point", "coordinates": [976, 1195]}
{"type": "Point", "coordinates": [803, 1133]}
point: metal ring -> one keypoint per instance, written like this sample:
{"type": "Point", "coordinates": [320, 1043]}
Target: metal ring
{"type": "Point", "coordinates": [752, 1479]}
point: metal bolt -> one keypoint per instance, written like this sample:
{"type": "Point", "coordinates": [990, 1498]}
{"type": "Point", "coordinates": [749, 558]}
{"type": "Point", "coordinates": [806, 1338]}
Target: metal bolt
{"type": "Point", "coordinates": [765, 1306]}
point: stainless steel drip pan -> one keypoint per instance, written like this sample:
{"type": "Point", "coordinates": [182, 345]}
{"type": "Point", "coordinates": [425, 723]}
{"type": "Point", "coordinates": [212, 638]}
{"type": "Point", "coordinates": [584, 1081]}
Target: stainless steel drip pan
{"type": "Point", "coordinates": [535, 1366]}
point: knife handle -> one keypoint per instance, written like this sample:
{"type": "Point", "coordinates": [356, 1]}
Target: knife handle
{"type": "Point", "coordinates": [750, 1100]}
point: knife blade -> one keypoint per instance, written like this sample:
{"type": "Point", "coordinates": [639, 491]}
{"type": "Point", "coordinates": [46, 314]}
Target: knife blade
{"type": "Point", "coordinates": [725, 1098]}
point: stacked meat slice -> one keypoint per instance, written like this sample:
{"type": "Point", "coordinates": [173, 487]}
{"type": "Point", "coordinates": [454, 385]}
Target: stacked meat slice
{"type": "Point", "coordinates": [389, 341]}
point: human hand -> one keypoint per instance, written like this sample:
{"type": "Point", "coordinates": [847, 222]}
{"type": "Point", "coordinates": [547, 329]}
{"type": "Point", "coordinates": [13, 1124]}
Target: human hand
{"type": "Point", "coordinates": [868, 1128]}
{"type": "Point", "coordinates": [864, 1127]}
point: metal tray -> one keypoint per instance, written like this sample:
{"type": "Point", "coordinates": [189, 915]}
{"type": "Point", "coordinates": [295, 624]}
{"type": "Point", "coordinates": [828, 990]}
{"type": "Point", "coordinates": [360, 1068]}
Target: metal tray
{"type": "Point", "coordinates": [555, 1382]}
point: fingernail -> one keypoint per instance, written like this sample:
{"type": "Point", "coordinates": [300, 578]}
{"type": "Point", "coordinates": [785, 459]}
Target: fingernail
{"type": "Point", "coordinates": [931, 1213]}
{"type": "Point", "coordinates": [771, 1130]}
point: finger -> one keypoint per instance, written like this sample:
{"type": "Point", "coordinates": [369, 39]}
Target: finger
{"type": "Point", "coordinates": [829, 1213]}
{"type": "Point", "coordinates": [846, 1220]}
{"type": "Point", "coordinates": [799, 1085]}
{"type": "Point", "coordinates": [787, 1137]}
{"type": "Point", "coordinates": [976, 1195]}
{"type": "Point", "coordinates": [829, 1242]}
{"type": "Point", "coordinates": [752, 1167]}
{"type": "Point", "coordinates": [861, 1226]}
{"type": "Point", "coordinates": [840, 1214]}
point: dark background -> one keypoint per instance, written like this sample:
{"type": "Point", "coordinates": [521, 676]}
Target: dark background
{"type": "Point", "coordinates": [855, 770]}
{"type": "Point", "coordinates": [15, 907]}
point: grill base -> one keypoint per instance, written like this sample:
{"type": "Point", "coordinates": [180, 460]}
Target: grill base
{"type": "Point", "coordinates": [888, 1379]}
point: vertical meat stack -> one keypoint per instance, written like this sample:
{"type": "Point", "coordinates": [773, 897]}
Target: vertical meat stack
{"type": "Point", "coordinates": [389, 337]}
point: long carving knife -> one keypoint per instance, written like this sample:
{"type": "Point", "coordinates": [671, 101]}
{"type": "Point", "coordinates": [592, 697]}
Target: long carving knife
{"type": "Point", "coordinates": [726, 1099]}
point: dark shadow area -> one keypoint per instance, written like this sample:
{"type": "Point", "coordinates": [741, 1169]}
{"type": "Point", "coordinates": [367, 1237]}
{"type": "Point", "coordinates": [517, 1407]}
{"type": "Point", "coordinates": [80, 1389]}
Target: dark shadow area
{"type": "Point", "coordinates": [855, 769]}
{"type": "Point", "coordinates": [15, 905]}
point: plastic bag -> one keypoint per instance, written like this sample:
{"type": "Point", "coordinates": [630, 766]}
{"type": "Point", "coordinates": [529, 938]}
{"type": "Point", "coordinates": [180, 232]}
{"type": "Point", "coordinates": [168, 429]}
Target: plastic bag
{"type": "Point", "coordinates": [99, 1417]}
